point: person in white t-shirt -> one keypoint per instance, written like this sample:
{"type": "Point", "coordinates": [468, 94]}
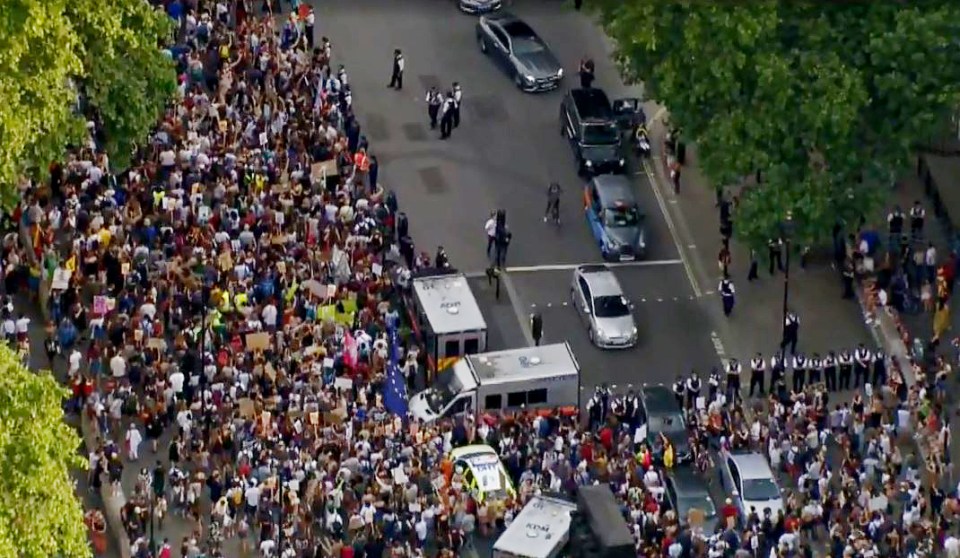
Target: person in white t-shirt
{"type": "Point", "coordinates": [74, 362]}
{"type": "Point", "coordinates": [118, 366]}
{"type": "Point", "coordinates": [22, 326]}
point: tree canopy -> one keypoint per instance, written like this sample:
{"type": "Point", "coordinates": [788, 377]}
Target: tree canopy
{"type": "Point", "coordinates": [54, 53]}
{"type": "Point", "coordinates": [826, 99]}
{"type": "Point", "coordinates": [40, 516]}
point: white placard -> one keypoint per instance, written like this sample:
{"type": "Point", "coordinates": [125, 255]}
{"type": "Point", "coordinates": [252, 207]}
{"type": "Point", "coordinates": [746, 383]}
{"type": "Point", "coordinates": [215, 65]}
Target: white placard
{"type": "Point", "coordinates": [61, 279]}
{"type": "Point", "coordinates": [343, 383]}
{"type": "Point", "coordinates": [377, 269]}
{"type": "Point", "coordinates": [640, 434]}
{"type": "Point", "coordinates": [328, 362]}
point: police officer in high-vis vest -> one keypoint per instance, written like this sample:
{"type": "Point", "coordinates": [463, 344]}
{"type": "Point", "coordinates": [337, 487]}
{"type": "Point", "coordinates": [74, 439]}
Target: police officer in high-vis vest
{"type": "Point", "coordinates": [757, 370]}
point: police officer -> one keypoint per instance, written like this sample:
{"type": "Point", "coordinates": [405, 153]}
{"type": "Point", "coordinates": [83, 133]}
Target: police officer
{"type": "Point", "coordinates": [778, 382]}
{"type": "Point", "coordinates": [446, 116]}
{"type": "Point", "coordinates": [733, 379]}
{"type": "Point", "coordinates": [536, 328]}
{"type": "Point", "coordinates": [879, 369]}
{"type": "Point", "coordinates": [632, 410]}
{"type": "Point", "coordinates": [816, 369]}
{"type": "Point", "coordinates": [457, 98]}
{"type": "Point", "coordinates": [847, 279]}
{"type": "Point", "coordinates": [830, 371]}
{"type": "Point", "coordinates": [679, 389]}
{"type": "Point", "coordinates": [800, 365]}
{"type": "Point", "coordinates": [757, 369]}
{"type": "Point", "coordinates": [605, 395]}
{"type": "Point", "coordinates": [863, 362]}
{"type": "Point", "coordinates": [713, 383]}
{"type": "Point", "coordinates": [895, 224]}
{"type": "Point", "coordinates": [728, 294]}
{"type": "Point", "coordinates": [846, 369]}
{"type": "Point", "coordinates": [434, 100]}
{"type": "Point", "coordinates": [595, 409]}
{"type": "Point", "coordinates": [791, 332]}
{"type": "Point", "coordinates": [617, 409]}
{"type": "Point", "coordinates": [396, 74]}
{"type": "Point", "coordinates": [693, 388]}
{"type": "Point", "coordinates": [917, 215]}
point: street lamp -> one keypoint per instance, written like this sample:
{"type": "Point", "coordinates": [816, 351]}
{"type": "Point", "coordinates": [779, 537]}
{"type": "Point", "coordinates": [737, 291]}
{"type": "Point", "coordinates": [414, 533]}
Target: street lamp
{"type": "Point", "coordinates": [786, 231]}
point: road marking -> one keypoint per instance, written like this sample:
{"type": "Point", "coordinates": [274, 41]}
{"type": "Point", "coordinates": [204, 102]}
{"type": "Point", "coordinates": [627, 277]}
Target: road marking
{"type": "Point", "coordinates": [518, 309]}
{"type": "Point", "coordinates": [691, 246]}
{"type": "Point", "coordinates": [659, 300]}
{"type": "Point", "coordinates": [643, 300]}
{"type": "Point", "coordinates": [570, 267]}
{"type": "Point", "coordinates": [710, 293]}
{"type": "Point", "coordinates": [718, 345]}
{"type": "Point", "coordinates": [673, 228]}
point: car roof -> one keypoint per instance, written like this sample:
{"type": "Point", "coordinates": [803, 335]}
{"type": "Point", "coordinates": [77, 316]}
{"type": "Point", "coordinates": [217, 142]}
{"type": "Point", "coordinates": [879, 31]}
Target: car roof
{"type": "Point", "coordinates": [601, 280]}
{"type": "Point", "coordinates": [613, 188]}
{"type": "Point", "coordinates": [659, 400]}
{"type": "Point", "coordinates": [752, 465]}
{"type": "Point", "coordinates": [592, 104]}
{"type": "Point", "coordinates": [687, 482]}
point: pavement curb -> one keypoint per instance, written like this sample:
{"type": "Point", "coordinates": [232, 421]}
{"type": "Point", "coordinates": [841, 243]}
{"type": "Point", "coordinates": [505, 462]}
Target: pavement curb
{"type": "Point", "coordinates": [112, 503]}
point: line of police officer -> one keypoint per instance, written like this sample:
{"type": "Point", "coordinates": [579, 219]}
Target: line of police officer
{"type": "Point", "coordinates": [862, 366]}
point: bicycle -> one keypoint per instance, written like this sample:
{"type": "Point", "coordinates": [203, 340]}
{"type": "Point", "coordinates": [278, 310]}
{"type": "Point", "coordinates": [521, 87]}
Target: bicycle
{"type": "Point", "coordinates": [553, 203]}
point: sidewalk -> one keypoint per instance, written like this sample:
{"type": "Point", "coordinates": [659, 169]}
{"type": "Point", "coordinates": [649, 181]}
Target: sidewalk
{"type": "Point", "coordinates": [827, 322]}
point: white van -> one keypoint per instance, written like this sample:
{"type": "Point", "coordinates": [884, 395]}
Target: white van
{"type": "Point", "coordinates": [518, 379]}
{"type": "Point", "coordinates": [540, 530]}
{"type": "Point", "coordinates": [449, 316]}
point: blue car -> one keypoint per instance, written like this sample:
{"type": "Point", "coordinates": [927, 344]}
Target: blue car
{"type": "Point", "coordinates": [616, 222]}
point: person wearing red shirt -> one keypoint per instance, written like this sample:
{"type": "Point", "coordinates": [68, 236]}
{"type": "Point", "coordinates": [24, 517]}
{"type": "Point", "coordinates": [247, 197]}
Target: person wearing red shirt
{"type": "Point", "coordinates": [729, 510]}
{"type": "Point", "coordinates": [606, 438]}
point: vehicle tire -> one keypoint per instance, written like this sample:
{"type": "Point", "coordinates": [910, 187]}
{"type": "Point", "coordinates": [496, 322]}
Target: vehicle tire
{"type": "Point", "coordinates": [482, 43]}
{"type": "Point", "coordinates": [593, 340]}
{"type": "Point", "coordinates": [518, 81]}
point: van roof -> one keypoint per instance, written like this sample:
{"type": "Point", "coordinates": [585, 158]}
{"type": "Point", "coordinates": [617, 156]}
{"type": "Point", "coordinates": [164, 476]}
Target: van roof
{"type": "Point", "coordinates": [448, 304]}
{"type": "Point", "coordinates": [532, 363]}
{"type": "Point", "coordinates": [604, 516]}
{"type": "Point", "coordinates": [538, 529]}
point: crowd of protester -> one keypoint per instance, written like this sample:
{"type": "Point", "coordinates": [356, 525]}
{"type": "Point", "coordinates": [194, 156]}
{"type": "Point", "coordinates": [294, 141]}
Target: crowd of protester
{"type": "Point", "coordinates": [243, 285]}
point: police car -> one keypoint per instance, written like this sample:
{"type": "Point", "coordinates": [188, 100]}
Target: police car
{"type": "Point", "coordinates": [479, 469]}
{"type": "Point", "coordinates": [613, 214]}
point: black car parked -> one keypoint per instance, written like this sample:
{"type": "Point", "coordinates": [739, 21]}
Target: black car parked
{"type": "Point", "coordinates": [519, 51]}
{"type": "Point", "coordinates": [587, 120]}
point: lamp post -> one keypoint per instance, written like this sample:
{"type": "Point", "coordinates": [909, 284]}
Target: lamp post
{"type": "Point", "coordinates": [786, 231]}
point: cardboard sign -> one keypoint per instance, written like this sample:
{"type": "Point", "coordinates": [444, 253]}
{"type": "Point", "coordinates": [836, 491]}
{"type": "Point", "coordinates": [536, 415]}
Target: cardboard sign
{"type": "Point", "coordinates": [377, 269]}
{"type": "Point", "coordinates": [258, 341]}
{"type": "Point", "coordinates": [157, 343]}
{"type": "Point", "coordinates": [314, 418]}
{"type": "Point", "coordinates": [331, 291]}
{"type": "Point", "coordinates": [246, 407]}
{"type": "Point", "coordinates": [343, 383]}
{"type": "Point", "coordinates": [61, 279]}
{"type": "Point", "coordinates": [320, 171]}
{"type": "Point", "coordinates": [695, 517]}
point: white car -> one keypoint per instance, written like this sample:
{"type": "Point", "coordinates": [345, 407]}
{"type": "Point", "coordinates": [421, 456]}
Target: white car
{"type": "Point", "coordinates": [606, 312]}
{"type": "Point", "coordinates": [751, 484]}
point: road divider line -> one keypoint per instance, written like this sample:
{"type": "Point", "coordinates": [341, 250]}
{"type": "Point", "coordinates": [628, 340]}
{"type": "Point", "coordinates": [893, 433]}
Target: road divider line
{"type": "Point", "coordinates": [570, 267]}
{"type": "Point", "coordinates": [654, 184]}
{"type": "Point", "coordinates": [522, 317]}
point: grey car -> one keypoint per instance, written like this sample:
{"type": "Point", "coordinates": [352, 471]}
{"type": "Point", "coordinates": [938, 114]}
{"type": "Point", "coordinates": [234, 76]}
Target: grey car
{"type": "Point", "coordinates": [517, 49]}
{"type": "Point", "coordinates": [661, 415]}
{"type": "Point", "coordinates": [479, 6]}
{"type": "Point", "coordinates": [601, 304]}
{"type": "Point", "coordinates": [686, 490]}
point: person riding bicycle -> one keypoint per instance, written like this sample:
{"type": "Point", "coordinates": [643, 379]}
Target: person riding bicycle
{"type": "Point", "coordinates": [553, 202]}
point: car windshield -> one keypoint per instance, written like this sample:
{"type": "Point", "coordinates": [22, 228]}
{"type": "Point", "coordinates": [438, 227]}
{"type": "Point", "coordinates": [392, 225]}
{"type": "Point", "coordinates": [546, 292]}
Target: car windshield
{"type": "Point", "coordinates": [702, 503]}
{"type": "Point", "coordinates": [600, 134]}
{"type": "Point", "coordinates": [757, 490]}
{"type": "Point", "coordinates": [443, 391]}
{"type": "Point", "coordinates": [611, 306]}
{"type": "Point", "coordinates": [526, 45]}
{"type": "Point", "coordinates": [621, 217]}
{"type": "Point", "coordinates": [667, 424]}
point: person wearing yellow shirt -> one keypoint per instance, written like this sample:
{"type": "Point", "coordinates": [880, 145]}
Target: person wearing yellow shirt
{"type": "Point", "coordinates": [668, 453]}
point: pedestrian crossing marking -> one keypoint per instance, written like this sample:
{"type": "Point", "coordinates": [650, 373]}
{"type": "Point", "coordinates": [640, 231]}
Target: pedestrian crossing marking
{"type": "Point", "coordinates": [643, 300]}
{"type": "Point", "coordinates": [659, 300]}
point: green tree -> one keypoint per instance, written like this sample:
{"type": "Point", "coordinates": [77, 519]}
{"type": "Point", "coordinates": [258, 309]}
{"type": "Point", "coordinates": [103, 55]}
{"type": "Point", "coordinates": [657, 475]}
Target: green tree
{"type": "Point", "coordinates": [40, 516]}
{"type": "Point", "coordinates": [827, 100]}
{"type": "Point", "coordinates": [51, 52]}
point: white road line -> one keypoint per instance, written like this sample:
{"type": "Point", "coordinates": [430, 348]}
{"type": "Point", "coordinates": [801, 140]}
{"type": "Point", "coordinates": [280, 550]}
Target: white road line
{"type": "Point", "coordinates": [673, 229]}
{"type": "Point", "coordinates": [718, 345]}
{"type": "Point", "coordinates": [570, 267]}
{"type": "Point", "coordinates": [522, 318]}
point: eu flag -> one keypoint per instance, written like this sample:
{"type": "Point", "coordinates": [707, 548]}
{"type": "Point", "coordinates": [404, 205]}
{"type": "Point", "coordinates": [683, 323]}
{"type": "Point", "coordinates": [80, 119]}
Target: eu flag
{"type": "Point", "coordinates": [395, 390]}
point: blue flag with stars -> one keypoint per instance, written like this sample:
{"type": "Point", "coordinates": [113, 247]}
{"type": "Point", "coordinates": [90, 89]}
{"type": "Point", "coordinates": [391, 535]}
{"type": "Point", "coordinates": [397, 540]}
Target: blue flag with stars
{"type": "Point", "coordinates": [395, 390]}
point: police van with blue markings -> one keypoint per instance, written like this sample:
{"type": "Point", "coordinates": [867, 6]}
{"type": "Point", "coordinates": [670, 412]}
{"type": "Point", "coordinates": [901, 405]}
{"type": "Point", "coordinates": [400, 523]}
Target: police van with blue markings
{"type": "Point", "coordinates": [543, 379]}
{"type": "Point", "coordinates": [616, 221]}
